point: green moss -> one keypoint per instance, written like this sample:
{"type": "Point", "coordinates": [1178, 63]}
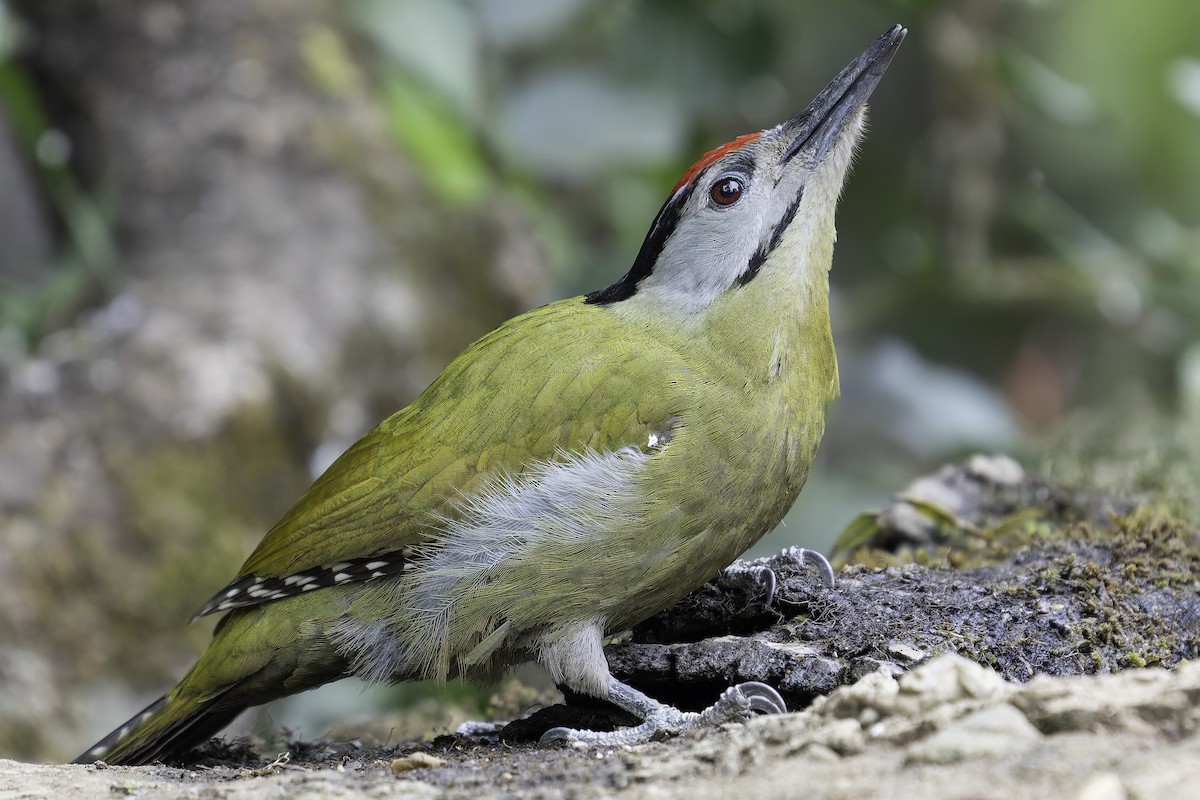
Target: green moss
{"type": "Point", "coordinates": [1090, 598]}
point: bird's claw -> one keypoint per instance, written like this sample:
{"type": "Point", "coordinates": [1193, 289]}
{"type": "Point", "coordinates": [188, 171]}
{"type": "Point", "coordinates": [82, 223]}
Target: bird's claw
{"type": "Point", "coordinates": [666, 722]}
{"type": "Point", "coordinates": [752, 579]}
{"type": "Point", "coordinates": [558, 735]}
{"type": "Point", "coordinates": [808, 558]}
{"type": "Point", "coordinates": [736, 704]}
{"type": "Point", "coordinates": [475, 730]}
{"type": "Point", "coordinates": [763, 698]}
{"type": "Point", "coordinates": [760, 577]}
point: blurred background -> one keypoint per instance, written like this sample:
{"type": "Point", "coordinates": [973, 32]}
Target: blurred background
{"type": "Point", "coordinates": [235, 234]}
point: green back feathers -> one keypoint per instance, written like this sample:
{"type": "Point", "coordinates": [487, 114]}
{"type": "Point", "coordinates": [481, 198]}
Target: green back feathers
{"type": "Point", "coordinates": [590, 381]}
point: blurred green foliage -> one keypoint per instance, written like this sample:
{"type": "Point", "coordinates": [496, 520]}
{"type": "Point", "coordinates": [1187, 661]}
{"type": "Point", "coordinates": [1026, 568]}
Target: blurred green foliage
{"type": "Point", "coordinates": [82, 265]}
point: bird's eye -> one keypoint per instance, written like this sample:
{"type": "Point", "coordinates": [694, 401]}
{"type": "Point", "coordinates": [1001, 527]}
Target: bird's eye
{"type": "Point", "coordinates": [726, 191]}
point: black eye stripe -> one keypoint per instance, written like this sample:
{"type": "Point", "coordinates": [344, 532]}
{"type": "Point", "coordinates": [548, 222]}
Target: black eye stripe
{"type": "Point", "coordinates": [760, 255]}
{"type": "Point", "coordinates": [652, 247]}
{"type": "Point", "coordinates": [739, 165]}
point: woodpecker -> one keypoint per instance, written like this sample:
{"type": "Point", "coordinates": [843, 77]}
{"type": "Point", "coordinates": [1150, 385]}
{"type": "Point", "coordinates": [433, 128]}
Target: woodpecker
{"type": "Point", "coordinates": [576, 470]}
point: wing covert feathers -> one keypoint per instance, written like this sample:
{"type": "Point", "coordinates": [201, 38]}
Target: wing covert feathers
{"type": "Point", "coordinates": [529, 391]}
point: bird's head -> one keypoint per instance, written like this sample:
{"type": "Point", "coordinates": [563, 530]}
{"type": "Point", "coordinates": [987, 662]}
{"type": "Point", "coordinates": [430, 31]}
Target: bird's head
{"type": "Point", "coordinates": [761, 204]}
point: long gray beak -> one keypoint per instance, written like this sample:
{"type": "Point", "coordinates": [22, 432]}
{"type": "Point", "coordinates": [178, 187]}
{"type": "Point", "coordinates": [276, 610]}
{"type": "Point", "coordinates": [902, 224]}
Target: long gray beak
{"type": "Point", "coordinates": [816, 127]}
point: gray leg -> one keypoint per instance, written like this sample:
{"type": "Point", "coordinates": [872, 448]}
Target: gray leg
{"type": "Point", "coordinates": [736, 704]}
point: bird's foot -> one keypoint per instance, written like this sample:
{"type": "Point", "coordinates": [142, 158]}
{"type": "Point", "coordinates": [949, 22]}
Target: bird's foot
{"type": "Point", "coordinates": [757, 578]}
{"type": "Point", "coordinates": [804, 557]}
{"type": "Point", "coordinates": [736, 704]}
{"type": "Point", "coordinates": [476, 730]}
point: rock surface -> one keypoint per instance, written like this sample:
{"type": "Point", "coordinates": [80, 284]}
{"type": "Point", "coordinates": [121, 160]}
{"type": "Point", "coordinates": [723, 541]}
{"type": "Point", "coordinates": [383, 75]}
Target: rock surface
{"type": "Point", "coordinates": [1039, 596]}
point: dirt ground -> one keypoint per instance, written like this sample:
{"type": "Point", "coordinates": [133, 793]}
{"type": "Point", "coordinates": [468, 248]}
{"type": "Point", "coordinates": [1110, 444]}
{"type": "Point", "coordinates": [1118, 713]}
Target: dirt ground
{"type": "Point", "coordinates": [948, 728]}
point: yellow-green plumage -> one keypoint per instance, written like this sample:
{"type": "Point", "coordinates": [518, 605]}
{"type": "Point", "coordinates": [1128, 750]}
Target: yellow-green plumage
{"type": "Point", "coordinates": [744, 436]}
{"type": "Point", "coordinates": [561, 377]}
{"type": "Point", "coordinates": [573, 472]}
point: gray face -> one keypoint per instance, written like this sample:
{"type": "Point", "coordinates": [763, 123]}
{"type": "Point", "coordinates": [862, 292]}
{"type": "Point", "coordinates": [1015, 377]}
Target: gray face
{"type": "Point", "coordinates": [731, 211]}
{"type": "Point", "coordinates": [729, 214]}
{"type": "Point", "coordinates": [720, 227]}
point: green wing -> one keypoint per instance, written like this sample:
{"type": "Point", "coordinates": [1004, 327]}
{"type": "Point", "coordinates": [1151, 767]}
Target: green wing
{"type": "Point", "coordinates": [560, 378]}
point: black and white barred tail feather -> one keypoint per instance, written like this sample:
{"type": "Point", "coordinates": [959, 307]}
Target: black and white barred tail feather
{"type": "Point", "coordinates": [252, 590]}
{"type": "Point", "coordinates": [162, 731]}
{"type": "Point", "coordinates": [195, 710]}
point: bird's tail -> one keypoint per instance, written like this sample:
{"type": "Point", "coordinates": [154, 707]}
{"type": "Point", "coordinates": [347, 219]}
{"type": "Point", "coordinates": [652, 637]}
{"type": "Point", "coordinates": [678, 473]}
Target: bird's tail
{"type": "Point", "coordinates": [166, 729]}
{"type": "Point", "coordinates": [256, 655]}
